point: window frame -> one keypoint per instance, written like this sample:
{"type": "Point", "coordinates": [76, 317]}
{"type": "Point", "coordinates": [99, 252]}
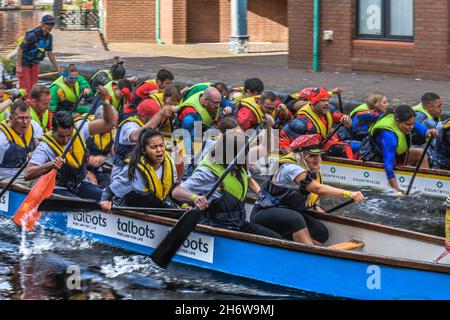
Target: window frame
{"type": "Point", "coordinates": [385, 25]}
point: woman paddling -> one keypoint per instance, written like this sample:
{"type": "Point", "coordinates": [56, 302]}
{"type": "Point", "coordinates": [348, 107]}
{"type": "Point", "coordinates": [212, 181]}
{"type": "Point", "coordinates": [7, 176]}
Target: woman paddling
{"type": "Point", "coordinates": [147, 178]}
{"type": "Point", "coordinates": [289, 193]}
{"type": "Point", "coordinates": [389, 142]}
{"type": "Point", "coordinates": [227, 206]}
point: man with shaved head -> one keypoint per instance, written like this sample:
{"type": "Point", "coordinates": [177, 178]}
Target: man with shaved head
{"type": "Point", "coordinates": [202, 108]}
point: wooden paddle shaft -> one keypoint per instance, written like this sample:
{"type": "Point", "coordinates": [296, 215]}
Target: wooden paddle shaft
{"type": "Point", "coordinates": [49, 74]}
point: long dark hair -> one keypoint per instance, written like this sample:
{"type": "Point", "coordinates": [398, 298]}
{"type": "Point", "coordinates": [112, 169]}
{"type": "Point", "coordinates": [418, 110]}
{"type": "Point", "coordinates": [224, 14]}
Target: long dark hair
{"type": "Point", "coordinates": [139, 150]}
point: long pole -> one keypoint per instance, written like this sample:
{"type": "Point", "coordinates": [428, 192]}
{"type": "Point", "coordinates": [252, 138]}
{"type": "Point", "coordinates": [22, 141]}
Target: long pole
{"type": "Point", "coordinates": [316, 35]}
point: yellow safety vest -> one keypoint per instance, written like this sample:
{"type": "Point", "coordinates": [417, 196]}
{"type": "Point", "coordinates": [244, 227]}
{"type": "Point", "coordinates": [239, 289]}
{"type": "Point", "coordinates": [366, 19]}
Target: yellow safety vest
{"type": "Point", "coordinates": [75, 157]}
{"type": "Point", "coordinates": [161, 189]}
{"type": "Point", "coordinates": [12, 136]}
{"type": "Point", "coordinates": [323, 130]}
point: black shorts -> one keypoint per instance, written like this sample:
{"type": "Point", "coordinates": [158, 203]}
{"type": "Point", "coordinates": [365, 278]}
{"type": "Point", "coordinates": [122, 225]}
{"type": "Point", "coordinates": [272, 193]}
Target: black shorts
{"type": "Point", "coordinates": [286, 221]}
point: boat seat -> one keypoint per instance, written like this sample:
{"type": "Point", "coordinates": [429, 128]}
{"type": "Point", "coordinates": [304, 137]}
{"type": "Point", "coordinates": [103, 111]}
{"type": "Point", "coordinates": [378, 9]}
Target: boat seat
{"type": "Point", "coordinates": [349, 245]}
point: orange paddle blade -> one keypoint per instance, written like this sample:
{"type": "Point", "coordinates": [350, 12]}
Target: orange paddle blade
{"type": "Point", "coordinates": [27, 214]}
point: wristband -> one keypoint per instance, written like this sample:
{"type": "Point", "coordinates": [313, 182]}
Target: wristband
{"type": "Point", "coordinates": [347, 194]}
{"type": "Point", "coordinates": [184, 205]}
{"type": "Point", "coordinates": [193, 197]}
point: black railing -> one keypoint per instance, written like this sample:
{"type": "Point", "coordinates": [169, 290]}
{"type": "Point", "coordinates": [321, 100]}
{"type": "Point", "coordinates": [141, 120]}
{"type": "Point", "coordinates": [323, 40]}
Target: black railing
{"type": "Point", "coordinates": [79, 19]}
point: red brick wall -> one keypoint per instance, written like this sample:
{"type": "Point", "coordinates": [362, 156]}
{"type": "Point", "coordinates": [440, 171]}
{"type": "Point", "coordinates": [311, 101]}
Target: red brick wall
{"type": "Point", "coordinates": [267, 20]}
{"type": "Point", "coordinates": [427, 56]}
{"type": "Point", "coordinates": [130, 21]}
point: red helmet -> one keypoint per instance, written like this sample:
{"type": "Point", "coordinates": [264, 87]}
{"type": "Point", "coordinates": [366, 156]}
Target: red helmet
{"type": "Point", "coordinates": [309, 143]}
{"type": "Point", "coordinates": [304, 94]}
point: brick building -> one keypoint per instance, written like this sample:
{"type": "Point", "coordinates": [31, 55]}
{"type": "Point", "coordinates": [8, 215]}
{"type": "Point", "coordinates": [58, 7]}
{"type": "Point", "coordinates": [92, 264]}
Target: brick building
{"type": "Point", "coordinates": [191, 21]}
{"type": "Point", "coordinates": [409, 37]}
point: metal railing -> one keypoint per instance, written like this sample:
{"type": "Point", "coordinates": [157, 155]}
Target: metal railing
{"type": "Point", "coordinates": [79, 19]}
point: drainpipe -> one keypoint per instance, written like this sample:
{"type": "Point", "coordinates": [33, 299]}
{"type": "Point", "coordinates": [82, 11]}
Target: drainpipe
{"type": "Point", "coordinates": [316, 36]}
{"type": "Point", "coordinates": [158, 23]}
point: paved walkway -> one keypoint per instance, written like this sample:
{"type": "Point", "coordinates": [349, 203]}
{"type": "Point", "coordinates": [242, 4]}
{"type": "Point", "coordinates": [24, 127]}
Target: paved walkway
{"type": "Point", "coordinates": [199, 62]}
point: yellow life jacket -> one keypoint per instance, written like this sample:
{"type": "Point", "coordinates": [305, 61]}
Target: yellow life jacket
{"type": "Point", "coordinates": [12, 136]}
{"type": "Point", "coordinates": [323, 130]}
{"type": "Point", "coordinates": [161, 189]}
{"type": "Point", "coordinates": [75, 157]}
{"type": "Point", "coordinates": [103, 141]}
{"type": "Point", "coordinates": [165, 127]}
{"type": "Point", "coordinates": [253, 105]}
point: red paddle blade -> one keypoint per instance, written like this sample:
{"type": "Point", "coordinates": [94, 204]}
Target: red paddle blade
{"type": "Point", "coordinates": [27, 214]}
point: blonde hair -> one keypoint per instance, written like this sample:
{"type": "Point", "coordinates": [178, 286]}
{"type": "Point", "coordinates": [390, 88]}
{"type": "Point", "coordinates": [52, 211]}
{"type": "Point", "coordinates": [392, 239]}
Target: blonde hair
{"type": "Point", "coordinates": [375, 99]}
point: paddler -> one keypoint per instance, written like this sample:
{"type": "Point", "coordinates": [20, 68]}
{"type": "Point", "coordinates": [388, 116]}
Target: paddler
{"type": "Point", "coordinates": [227, 207]}
{"type": "Point", "coordinates": [148, 177]}
{"type": "Point", "coordinates": [71, 177]}
{"type": "Point", "coordinates": [251, 111]}
{"type": "Point", "coordinates": [294, 189]}
{"type": "Point", "coordinates": [18, 138]}
{"type": "Point", "coordinates": [317, 117]}
{"type": "Point", "coordinates": [389, 142]}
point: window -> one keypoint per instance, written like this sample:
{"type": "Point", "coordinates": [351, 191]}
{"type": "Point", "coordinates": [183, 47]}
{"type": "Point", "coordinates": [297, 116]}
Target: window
{"type": "Point", "coordinates": [385, 19]}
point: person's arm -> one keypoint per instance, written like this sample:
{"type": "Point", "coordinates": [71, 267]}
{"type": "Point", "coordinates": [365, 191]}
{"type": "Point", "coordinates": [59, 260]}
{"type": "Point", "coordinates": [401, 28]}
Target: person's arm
{"type": "Point", "coordinates": [388, 140]}
{"type": "Point", "coordinates": [55, 97]}
{"type": "Point", "coordinates": [19, 60]}
{"type": "Point", "coordinates": [144, 90]}
{"type": "Point", "coordinates": [166, 111]}
{"type": "Point", "coordinates": [84, 85]}
{"type": "Point", "coordinates": [35, 170]}
{"type": "Point", "coordinates": [246, 118]}
{"type": "Point", "coordinates": [181, 194]}
{"type": "Point", "coordinates": [104, 125]}
{"type": "Point", "coordinates": [254, 185]}
{"type": "Point", "coordinates": [324, 190]}
{"type": "Point", "coordinates": [52, 59]}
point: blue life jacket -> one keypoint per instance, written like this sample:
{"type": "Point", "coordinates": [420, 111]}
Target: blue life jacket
{"type": "Point", "coordinates": [36, 55]}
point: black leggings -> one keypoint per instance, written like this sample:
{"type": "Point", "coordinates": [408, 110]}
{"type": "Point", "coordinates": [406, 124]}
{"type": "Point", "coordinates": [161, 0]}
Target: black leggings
{"type": "Point", "coordinates": [286, 221]}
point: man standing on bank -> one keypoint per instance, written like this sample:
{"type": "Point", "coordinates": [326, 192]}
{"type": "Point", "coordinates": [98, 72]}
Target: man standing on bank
{"type": "Point", "coordinates": [36, 43]}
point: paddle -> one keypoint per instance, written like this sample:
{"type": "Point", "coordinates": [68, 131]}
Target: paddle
{"type": "Point", "coordinates": [418, 165]}
{"type": "Point", "coordinates": [14, 178]}
{"type": "Point", "coordinates": [177, 235]}
{"type": "Point", "coordinates": [90, 205]}
{"type": "Point", "coordinates": [27, 214]}
{"type": "Point", "coordinates": [340, 103]}
{"type": "Point", "coordinates": [340, 206]}
{"type": "Point", "coordinates": [324, 142]}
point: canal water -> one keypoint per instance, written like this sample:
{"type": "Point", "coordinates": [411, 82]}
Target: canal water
{"type": "Point", "coordinates": [35, 266]}
{"type": "Point", "coordinates": [14, 24]}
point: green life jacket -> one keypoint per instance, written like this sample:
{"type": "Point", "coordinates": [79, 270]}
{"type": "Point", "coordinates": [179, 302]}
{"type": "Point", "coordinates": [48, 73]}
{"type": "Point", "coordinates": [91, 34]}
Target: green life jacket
{"type": "Point", "coordinates": [71, 96]}
{"type": "Point", "coordinates": [388, 123]}
{"type": "Point", "coordinates": [363, 107]}
{"type": "Point", "coordinates": [115, 101]}
{"type": "Point", "coordinates": [43, 123]}
{"type": "Point", "coordinates": [231, 184]}
{"type": "Point", "coordinates": [420, 108]}
{"type": "Point", "coordinates": [194, 101]}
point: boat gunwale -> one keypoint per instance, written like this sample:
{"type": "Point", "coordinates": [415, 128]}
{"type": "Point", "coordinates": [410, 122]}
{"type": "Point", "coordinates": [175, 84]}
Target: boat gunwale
{"type": "Point", "coordinates": [299, 247]}
{"type": "Point", "coordinates": [371, 164]}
